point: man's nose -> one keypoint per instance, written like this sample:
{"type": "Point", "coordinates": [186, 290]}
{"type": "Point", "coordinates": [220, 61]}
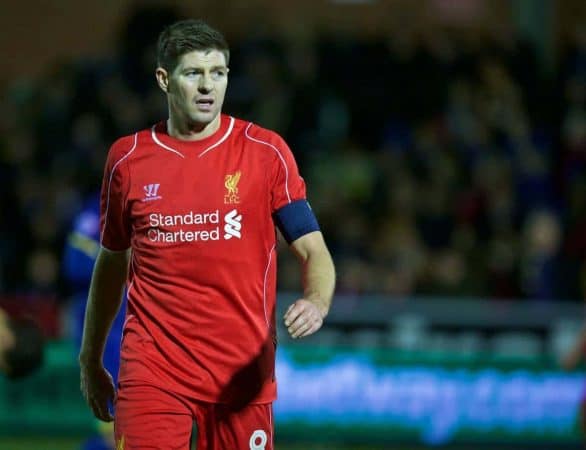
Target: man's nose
{"type": "Point", "coordinates": [205, 84]}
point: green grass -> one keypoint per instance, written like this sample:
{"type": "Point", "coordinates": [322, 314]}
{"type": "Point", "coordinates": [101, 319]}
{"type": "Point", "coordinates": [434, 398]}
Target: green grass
{"type": "Point", "coordinates": [51, 443]}
{"type": "Point", "coordinates": [40, 444]}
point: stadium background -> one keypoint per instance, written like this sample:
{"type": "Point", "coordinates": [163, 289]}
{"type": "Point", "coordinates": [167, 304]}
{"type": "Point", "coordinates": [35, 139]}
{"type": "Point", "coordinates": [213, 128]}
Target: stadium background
{"type": "Point", "coordinates": [443, 143]}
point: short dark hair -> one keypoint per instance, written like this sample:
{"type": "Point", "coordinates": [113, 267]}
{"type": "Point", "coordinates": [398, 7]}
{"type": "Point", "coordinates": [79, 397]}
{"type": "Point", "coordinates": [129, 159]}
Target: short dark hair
{"type": "Point", "coordinates": [186, 36]}
{"type": "Point", "coordinates": [27, 353]}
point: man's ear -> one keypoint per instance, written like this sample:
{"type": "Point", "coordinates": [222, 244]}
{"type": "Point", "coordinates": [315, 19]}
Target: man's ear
{"type": "Point", "coordinates": [162, 79]}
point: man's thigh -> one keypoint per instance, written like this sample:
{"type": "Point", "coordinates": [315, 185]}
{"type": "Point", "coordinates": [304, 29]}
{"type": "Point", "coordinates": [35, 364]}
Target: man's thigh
{"type": "Point", "coordinates": [147, 417]}
{"type": "Point", "coordinates": [221, 428]}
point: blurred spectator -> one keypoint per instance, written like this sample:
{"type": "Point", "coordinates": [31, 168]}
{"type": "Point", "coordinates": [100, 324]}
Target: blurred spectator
{"type": "Point", "coordinates": [540, 256]}
{"type": "Point", "coordinates": [571, 360]}
{"type": "Point", "coordinates": [21, 346]}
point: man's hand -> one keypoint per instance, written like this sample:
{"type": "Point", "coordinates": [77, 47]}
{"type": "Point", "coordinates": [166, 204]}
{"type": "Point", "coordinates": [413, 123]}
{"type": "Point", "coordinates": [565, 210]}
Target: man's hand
{"type": "Point", "coordinates": [98, 390]}
{"type": "Point", "coordinates": [303, 318]}
{"type": "Point", "coordinates": [306, 315]}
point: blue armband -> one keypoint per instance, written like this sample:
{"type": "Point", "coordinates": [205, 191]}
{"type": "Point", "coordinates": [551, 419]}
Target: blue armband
{"type": "Point", "coordinates": [295, 220]}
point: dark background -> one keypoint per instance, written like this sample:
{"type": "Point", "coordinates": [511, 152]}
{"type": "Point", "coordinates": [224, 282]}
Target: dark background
{"type": "Point", "coordinates": [442, 141]}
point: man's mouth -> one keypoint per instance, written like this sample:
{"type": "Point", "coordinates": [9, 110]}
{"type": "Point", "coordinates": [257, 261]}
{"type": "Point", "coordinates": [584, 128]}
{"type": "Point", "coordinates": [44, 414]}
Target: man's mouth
{"type": "Point", "coordinates": [204, 104]}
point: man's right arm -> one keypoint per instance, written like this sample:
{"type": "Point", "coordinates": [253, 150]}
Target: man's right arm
{"type": "Point", "coordinates": [104, 300]}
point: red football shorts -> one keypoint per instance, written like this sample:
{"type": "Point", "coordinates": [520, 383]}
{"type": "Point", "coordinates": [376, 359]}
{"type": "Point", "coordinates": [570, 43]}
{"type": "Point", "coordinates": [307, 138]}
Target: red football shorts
{"type": "Point", "coordinates": [148, 417]}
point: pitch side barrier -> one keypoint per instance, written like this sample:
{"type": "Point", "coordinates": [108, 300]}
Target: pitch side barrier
{"type": "Point", "coordinates": [395, 391]}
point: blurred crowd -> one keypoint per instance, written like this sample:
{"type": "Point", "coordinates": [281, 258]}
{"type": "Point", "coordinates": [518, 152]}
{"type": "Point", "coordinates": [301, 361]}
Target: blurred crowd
{"type": "Point", "coordinates": [440, 162]}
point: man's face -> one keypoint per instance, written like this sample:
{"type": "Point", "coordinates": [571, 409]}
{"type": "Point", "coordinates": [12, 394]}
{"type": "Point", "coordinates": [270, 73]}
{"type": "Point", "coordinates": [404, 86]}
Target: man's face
{"type": "Point", "coordinates": [197, 86]}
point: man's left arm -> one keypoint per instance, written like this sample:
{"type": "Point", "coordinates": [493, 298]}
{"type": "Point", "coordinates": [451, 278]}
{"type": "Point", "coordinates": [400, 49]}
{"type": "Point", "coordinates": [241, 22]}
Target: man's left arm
{"type": "Point", "coordinates": [305, 316]}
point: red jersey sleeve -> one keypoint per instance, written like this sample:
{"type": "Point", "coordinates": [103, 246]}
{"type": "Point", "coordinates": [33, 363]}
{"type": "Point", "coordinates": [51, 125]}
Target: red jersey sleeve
{"type": "Point", "coordinates": [286, 184]}
{"type": "Point", "coordinates": [114, 220]}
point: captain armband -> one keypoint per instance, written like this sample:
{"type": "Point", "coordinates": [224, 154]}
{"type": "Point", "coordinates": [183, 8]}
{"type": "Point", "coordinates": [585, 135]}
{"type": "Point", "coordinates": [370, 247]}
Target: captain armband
{"type": "Point", "coordinates": [295, 220]}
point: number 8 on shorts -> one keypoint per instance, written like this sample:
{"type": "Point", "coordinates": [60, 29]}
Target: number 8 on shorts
{"type": "Point", "coordinates": [258, 440]}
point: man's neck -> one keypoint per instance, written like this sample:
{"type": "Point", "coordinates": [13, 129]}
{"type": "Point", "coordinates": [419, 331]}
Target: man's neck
{"type": "Point", "coordinates": [192, 131]}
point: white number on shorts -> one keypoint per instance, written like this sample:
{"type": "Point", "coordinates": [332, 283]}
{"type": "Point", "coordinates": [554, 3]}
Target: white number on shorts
{"type": "Point", "coordinates": [258, 435]}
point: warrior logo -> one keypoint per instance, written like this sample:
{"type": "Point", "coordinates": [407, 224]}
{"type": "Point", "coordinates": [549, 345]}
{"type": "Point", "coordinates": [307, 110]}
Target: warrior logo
{"type": "Point", "coordinates": [151, 192]}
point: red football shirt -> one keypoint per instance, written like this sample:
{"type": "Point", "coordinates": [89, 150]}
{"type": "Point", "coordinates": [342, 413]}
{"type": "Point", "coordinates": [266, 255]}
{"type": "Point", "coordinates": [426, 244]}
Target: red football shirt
{"type": "Point", "coordinates": [202, 280]}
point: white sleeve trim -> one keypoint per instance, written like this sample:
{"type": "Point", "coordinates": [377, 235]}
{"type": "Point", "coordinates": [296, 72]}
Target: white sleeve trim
{"type": "Point", "coordinates": [110, 185]}
{"type": "Point", "coordinates": [280, 157]}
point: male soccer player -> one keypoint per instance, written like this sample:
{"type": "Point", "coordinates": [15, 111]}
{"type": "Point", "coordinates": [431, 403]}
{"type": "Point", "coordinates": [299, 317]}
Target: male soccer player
{"type": "Point", "coordinates": [189, 209]}
{"type": "Point", "coordinates": [21, 346]}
